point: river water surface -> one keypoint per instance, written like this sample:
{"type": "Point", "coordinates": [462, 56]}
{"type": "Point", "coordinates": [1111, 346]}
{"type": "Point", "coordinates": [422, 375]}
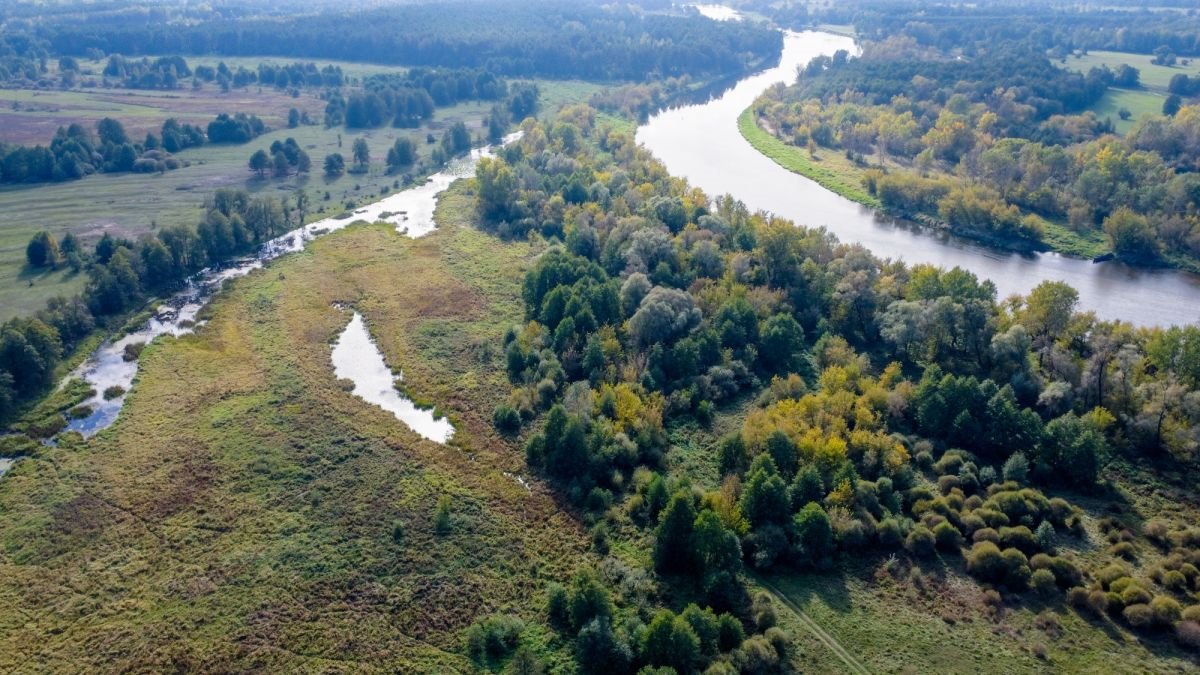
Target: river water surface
{"type": "Point", "coordinates": [702, 144]}
{"type": "Point", "coordinates": [411, 211]}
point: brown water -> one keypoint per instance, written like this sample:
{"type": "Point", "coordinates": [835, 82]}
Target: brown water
{"type": "Point", "coordinates": [702, 143]}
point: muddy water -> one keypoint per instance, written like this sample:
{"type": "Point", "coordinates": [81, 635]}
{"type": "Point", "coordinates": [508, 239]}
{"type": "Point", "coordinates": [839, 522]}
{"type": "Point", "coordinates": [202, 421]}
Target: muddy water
{"type": "Point", "coordinates": [357, 358]}
{"type": "Point", "coordinates": [411, 211]}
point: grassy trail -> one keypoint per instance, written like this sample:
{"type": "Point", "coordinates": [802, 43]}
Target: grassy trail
{"type": "Point", "coordinates": [852, 664]}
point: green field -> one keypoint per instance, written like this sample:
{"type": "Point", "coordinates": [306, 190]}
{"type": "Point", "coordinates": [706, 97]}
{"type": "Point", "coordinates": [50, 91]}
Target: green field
{"type": "Point", "coordinates": [1140, 103]}
{"type": "Point", "coordinates": [1152, 76]}
{"type": "Point", "coordinates": [133, 204]}
{"type": "Point", "coordinates": [31, 117]}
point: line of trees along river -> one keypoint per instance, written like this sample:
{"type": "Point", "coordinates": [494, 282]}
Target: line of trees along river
{"type": "Point", "coordinates": [726, 163]}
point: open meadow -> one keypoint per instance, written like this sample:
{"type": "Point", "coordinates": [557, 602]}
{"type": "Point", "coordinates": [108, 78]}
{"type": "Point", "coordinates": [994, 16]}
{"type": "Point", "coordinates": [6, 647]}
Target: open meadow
{"type": "Point", "coordinates": [248, 512]}
{"type": "Point", "coordinates": [1141, 103]}
{"type": "Point", "coordinates": [132, 204]}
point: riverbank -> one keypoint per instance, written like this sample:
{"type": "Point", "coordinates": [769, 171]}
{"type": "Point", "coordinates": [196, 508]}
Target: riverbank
{"type": "Point", "coordinates": [841, 176]}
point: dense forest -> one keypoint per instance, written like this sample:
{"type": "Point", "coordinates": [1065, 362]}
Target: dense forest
{"type": "Point", "coordinates": [998, 145]}
{"type": "Point", "coordinates": [897, 409]}
{"type": "Point", "coordinates": [572, 40]}
{"type": "Point", "coordinates": [1057, 25]}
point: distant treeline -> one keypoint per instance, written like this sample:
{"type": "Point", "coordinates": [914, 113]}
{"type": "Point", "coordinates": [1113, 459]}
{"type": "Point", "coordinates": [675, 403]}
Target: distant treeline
{"type": "Point", "coordinates": [892, 69]}
{"type": "Point", "coordinates": [546, 39]}
{"type": "Point", "coordinates": [407, 100]}
{"type": "Point", "coordinates": [75, 152]}
{"type": "Point", "coordinates": [1057, 26]}
{"type": "Point", "coordinates": [168, 72]}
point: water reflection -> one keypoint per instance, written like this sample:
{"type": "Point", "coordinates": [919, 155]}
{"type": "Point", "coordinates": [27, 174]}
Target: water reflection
{"type": "Point", "coordinates": [106, 370]}
{"type": "Point", "coordinates": [702, 144]}
{"type": "Point", "coordinates": [358, 359]}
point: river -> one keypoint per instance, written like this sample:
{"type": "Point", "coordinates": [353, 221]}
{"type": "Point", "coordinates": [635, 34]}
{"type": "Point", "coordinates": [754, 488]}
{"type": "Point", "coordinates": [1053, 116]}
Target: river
{"type": "Point", "coordinates": [110, 375]}
{"type": "Point", "coordinates": [702, 144]}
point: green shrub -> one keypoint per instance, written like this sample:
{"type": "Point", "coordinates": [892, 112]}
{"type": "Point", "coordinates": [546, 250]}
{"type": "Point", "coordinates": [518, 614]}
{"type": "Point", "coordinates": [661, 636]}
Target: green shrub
{"type": "Point", "coordinates": [506, 419]}
{"type": "Point", "coordinates": [948, 537]}
{"type": "Point", "coordinates": [992, 517]}
{"type": "Point", "coordinates": [1191, 613]}
{"type": "Point", "coordinates": [1067, 573]}
{"type": "Point", "coordinates": [1078, 597]}
{"type": "Point", "coordinates": [1111, 573]}
{"type": "Point", "coordinates": [1019, 537]}
{"type": "Point", "coordinates": [1135, 595]}
{"type": "Point", "coordinates": [1016, 469]}
{"type": "Point", "coordinates": [1045, 536]}
{"type": "Point", "coordinates": [920, 541]}
{"type": "Point", "coordinates": [1043, 582]}
{"type": "Point", "coordinates": [950, 462]}
{"type": "Point", "coordinates": [730, 632]}
{"type": "Point", "coordinates": [1124, 550]}
{"type": "Point", "coordinates": [493, 637]}
{"type": "Point", "coordinates": [764, 611]}
{"type": "Point", "coordinates": [1138, 616]}
{"type": "Point", "coordinates": [986, 534]}
{"type": "Point", "coordinates": [441, 515]}
{"type": "Point", "coordinates": [1119, 585]}
{"type": "Point", "coordinates": [558, 605]}
{"type": "Point", "coordinates": [985, 561]}
{"type": "Point", "coordinates": [1113, 603]}
{"type": "Point", "coordinates": [1174, 580]}
{"type": "Point", "coordinates": [1060, 510]}
{"type": "Point", "coordinates": [1166, 610]}
{"type": "Point", "coordinates": [889, 533]}
{"type": "Point", "coordinates": [589, 599]}
{"type": "Point", "coordinates": [972, 523]}
{"type": "Point", "coordinates": [1016, 569]}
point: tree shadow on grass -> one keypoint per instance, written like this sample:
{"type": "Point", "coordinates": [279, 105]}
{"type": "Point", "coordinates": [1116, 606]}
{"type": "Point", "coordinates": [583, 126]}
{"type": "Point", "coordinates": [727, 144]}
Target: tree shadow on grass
{"type": "Point", "coordinates": [804, 586]}
{"type": "Point", "coordinates": [34, 275]}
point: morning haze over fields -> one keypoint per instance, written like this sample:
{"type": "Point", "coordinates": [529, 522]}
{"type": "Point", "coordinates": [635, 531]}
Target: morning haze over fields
{"type": "Point", "coordinates": [532, 337]}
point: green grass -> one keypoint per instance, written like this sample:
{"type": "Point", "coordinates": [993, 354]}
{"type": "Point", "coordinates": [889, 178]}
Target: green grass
{"type": "Point", "coordinates": [1140, 104]}
{"type": "Point", "coordinates": [831, 170]}
{"type": "Point", "coordinates": [1151, 76]}
{"type": "Point", "coordinates": [1144, 102]}
{"type": "Point", "coordinates": [1061, 238]}
{"type": "Point", "coordinates": [239, 514]}
{"type": "Point", "coordinates": [133, 204]}
{"type": "Point", "coordinates": [941, 624]}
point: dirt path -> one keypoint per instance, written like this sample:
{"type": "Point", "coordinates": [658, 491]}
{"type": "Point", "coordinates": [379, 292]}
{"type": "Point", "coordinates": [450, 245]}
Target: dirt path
{"type": "Point", "coordinates": [852, 664]}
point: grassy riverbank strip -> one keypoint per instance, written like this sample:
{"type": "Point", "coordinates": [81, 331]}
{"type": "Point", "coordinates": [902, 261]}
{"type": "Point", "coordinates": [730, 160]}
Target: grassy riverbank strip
{"type": "Point", "coordinates": [845, 181]}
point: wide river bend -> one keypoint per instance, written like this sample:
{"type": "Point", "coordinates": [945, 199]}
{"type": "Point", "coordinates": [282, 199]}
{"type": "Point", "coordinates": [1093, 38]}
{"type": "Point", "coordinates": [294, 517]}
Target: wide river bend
{"type": "Point", "coordinates": [702, 144]}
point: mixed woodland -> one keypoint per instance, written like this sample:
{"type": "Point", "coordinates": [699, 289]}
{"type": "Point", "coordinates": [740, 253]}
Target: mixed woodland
{"type": "Point", "coordinates": [986, 135]}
